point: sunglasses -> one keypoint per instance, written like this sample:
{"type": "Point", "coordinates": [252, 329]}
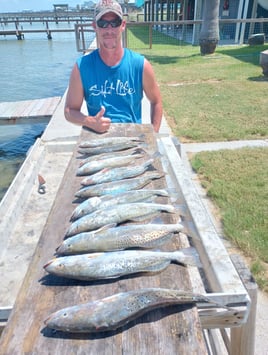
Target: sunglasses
{"type": "Point", "coordinates": [105, 23]}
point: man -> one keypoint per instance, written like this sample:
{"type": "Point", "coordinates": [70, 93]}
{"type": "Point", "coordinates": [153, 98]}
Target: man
{"type": "Point", "coordinates": [111, 79]}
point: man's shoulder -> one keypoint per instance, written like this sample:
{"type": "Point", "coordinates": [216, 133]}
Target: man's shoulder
{"type": "Point", "coordinates": [87, 57]}
{"type": "Point", "coordinates": [132, 55]}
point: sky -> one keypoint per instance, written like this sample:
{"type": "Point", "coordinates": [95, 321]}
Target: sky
{"type": "Point", "coordinates": [35, 5]}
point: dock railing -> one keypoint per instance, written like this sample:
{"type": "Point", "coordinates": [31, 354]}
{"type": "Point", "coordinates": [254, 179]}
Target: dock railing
{"type": "Point", "coordinates": [232, 31]}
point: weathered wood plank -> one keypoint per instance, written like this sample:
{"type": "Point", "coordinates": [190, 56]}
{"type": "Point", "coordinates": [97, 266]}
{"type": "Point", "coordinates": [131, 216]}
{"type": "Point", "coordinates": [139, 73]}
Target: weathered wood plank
{"type": "Point", "coordinates": [167, 330]}
{"type": "Point", "coordinates": [28, 108]}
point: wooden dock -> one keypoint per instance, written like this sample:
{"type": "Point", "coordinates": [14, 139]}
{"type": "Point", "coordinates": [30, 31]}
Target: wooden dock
{"type": "Point", "coordinates": [171, 330]}
{"type": "Point", "coordinates": [154, 331]}
{"type": "Point", "coordinates": [20, 34]}
{"type": "Point", "coordinates": [38, 108]}
{"type": "Point", "coordinates": [43, 17]}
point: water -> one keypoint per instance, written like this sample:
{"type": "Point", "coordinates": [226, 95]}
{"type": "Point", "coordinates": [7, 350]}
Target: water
{"type": "Point", "coordinates": [30, 69]}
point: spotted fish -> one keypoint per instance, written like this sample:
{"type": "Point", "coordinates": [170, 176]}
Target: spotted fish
{"type": "Point", "coordinates": [113, 312]}
{"type": "Point", "coordinates": [116, 187]}
{"type": "Point", "coordinates": [92, 204]}
{"type": "Point", "coordinates": [137, 211]}
{"type": "Point", "coordinates": [110, 238]}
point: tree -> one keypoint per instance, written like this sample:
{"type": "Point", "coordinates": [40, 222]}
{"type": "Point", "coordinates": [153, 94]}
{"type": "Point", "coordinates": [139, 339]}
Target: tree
{"type": "Point", "coordinates": [209, 34]}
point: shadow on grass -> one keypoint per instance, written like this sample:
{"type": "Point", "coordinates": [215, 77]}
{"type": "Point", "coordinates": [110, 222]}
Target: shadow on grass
{"type": "Point", "coordinates": [260, 78]}
{"type": "Point", "coordinates": [139, 39]}
{"type": "Point", "coordinates": [164, 59]}
{"type": "Point", "coordinates": [247, 54]}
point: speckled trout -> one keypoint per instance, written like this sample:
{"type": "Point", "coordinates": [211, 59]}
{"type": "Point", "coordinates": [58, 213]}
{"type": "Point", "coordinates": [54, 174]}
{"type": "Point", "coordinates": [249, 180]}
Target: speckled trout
{"type": "Point", "coordinates": [109, 141]}
{"type": "Point", "coordinates": [97, 165]}
{"type": "Point", "coordinates": [137, 211]}
{"type": "Point", "coordinates": [111, 155]}
{"type": "Point", "coordinates": [92, 204]}
{"type": "Point", "coordinates": [111, 265]}
{"type": "Point", "coordinates": [115, 311]}
{"type": "Point", "coordinates": [110, 238]}
{"type": "Point", "coordinates": [123, 172]}
{"type": "Point", "coordinates": [112, 147]}
{"type": "Point", "coordinates": [116, 187]}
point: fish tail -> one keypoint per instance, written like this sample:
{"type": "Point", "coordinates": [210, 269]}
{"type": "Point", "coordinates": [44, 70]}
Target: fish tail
{"type": "Point", "coordinates": [156, 155]}
{"type": "Point", "coordinates": [187, 256]}
{"type": "Point", "coordinates": [173, 194]}
{"type": "Point", "coordinates": [169, 209]}
{"type": "Point", "coordinates": [142, 137]}
{"type": "Point", "coordinates": [156, 175]}
{"type": "Point", "coordinates": [162, 193]}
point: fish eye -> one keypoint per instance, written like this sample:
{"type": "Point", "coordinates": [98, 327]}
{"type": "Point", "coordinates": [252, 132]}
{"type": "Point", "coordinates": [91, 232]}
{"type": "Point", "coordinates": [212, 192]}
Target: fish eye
{"type": "Point", "coordinates": [65, 314]}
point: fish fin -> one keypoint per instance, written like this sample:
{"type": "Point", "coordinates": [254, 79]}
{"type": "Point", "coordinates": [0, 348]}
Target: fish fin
{"type": "Point", "coordinates": [103, 228]}
{"type": "Point", "coordinates": [106, 198]}
{"type": "Point", "coordinates": [144, 217]}
{"type": "Point", "coordinates": [104, 170]}
{"type": "Point", "coordinates": [93, 255]}
{"type": "Point", "coordinates": [188, 256]}
{"type": "Point", "coordinates": [155, 268]}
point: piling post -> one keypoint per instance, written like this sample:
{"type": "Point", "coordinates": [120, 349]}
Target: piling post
{"type": "Point", "coordinates": [19, 33]}
{"type": "Point", "coordinates": [49, 36]}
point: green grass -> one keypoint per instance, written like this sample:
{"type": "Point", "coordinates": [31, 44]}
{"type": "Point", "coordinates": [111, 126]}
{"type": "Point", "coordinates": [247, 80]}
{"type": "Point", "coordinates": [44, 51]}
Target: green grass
{"type": "Point", "coordinates": [222, 97]}
{"type": "Point", "coordinates": [216, 98]}
{"type": "Point", "coordinates": [208, 98]}
{"type": "Point", "coordinates": [237, 182]}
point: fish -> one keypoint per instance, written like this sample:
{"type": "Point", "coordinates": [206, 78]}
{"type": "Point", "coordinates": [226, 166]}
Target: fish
{"type": "Point", "coordinates": [110, 155]}
{"type": "Point", "coordinates": [92, 204]}
{"type": "Point", "coordinates": [108, 141]}
{"type": "Point", "coordinates": [113, 312]}
{"type": "Point", "coordinates": [111, 148]}
{"type": "Point", "coordinates": [110, 238]}
{"type": "Point", "coordinates": [123, 172]}
{"type": "Point", "coordinates": [115, 264]}
{"type": "Point", "coordinates": [137, 211]}
{"type": "Point", "coordinates": [97, 165]}
{"type": "Point", "coordinates": [116, 187]}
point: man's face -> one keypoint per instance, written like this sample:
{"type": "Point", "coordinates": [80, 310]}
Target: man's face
{"type": "Point", "coordinates": [108, 36]}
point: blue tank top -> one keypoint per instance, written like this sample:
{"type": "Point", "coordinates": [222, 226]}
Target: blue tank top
{"type": "Point", "coordinates": [118, 88]}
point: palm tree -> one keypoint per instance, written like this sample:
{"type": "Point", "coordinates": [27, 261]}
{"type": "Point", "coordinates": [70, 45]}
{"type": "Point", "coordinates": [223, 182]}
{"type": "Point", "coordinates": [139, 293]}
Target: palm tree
{"type": "Point", "coordinates": [209, 34]}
